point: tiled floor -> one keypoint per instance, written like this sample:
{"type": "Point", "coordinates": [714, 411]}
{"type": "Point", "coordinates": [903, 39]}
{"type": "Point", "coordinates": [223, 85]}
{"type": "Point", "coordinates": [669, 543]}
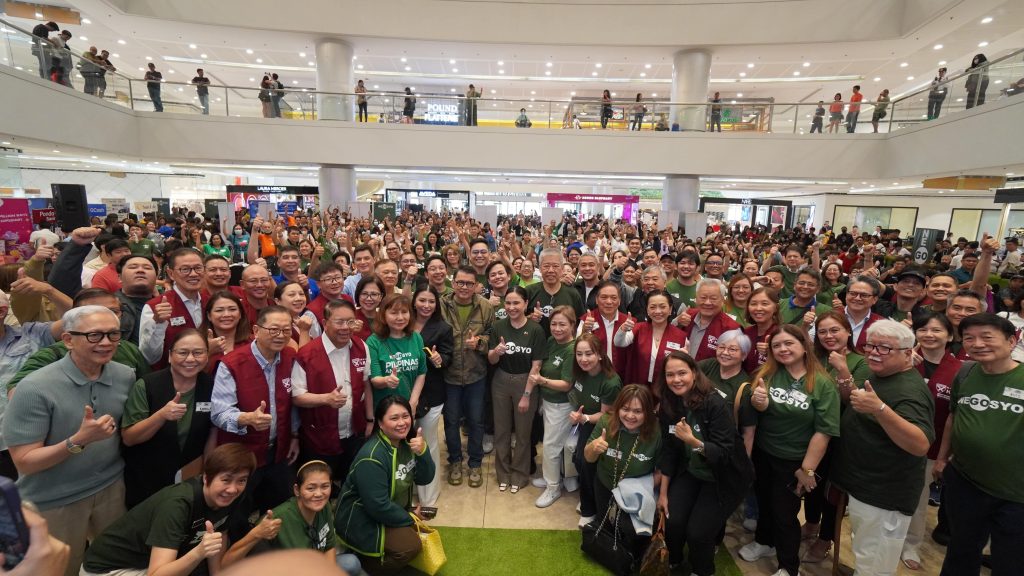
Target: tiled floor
{"type": "Point", "coordinates": [486, 507]}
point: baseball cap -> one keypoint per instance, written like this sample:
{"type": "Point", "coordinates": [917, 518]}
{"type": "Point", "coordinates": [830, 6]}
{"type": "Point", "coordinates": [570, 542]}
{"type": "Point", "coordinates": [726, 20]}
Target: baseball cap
{"type": "Point", "coordinates": [917, 274]}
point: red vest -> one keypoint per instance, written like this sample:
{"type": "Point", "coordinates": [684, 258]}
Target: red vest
{"type": "Point", "coordinates": [755, 359]}
{"type": "Point", "coordinates": [318, 433]}
{"type": "Point", "coordinates": [320, 302]}
{"type": "Point", "coordinates": [941, 385]}
{"type": "Point", "coordinates": [618, 354]}
{"type": "Point", "coordinates": [719, 325]}
{"type": "Point", "coordinates": [251, 389]}
{"type": "Point", "coordinates": [638, 356]}
{"type": "Point", "coordinates": [215, 359]}
{"type": "Point", "coordinates": [180, 320]}
{"type": "Point", "coordinates": [859, 345]}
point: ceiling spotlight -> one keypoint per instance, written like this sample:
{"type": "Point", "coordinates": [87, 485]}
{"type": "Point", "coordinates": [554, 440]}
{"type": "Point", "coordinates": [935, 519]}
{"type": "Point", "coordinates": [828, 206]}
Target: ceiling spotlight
{"type": "Point", "coordinates": [452, 61]}
{"type": "Point", "coordinates": [87, 21]}
{"type": "Point", "coordinates": [493, 91]}
{"type": "Point", "coordinates": [115, 55]}
{"type": "Point", "coordinates": [302, 54]}
{"type": "Point", "coordinates": [643, 74]}
{"type": "Point", "coordinates": [984, 20]}
{"type": "Point", "coordinates": [910, 77]}
{"type": "Point", "coordinates": [806, 64]}
{"type": "Point", "coordinates": [83, 38]}
{"type": "Point", "coordinates": [259, 60]}
{"type": "Point", "coordinates": [55, 151]}
{"type": "Point", "coordinates": [942, 62]}
{"type": "Point", "coordinates": [403, 59]}
{"type": "Point", "coordinates": [797, 73]}
{"type": "Point", "coordinates": [614, 94]}
{"type": "Point", "coordinates": [743, 74]}
{"type": "Point", "coordinates": [202, 56]}
{"type": "Point", "coordinates": [534, 92]}
{"type": "Point", "coordinates": [453, 89]}
{"type": "Point", "coordinates": [937, 47]}
{"type": "Point", "coordinates": [655, 95]}
{"type": "Point", "coordinates": [982, 44]}
{"type": "Point", "coordinates": [121, 42]}
{"type": "Point", "coordinates": [251, 79]}
{"type": "Point", "coordinates": [149, 57]}
{"type": "Point", "coordinates": [454, 70]}
{"type": "Point", "coordinates": [593, 73]}
{"type": "Point", "coordinates": [597, 65]}
{"type": "Point", "coordinates": [501, 62]}
{"type": "Point", "coordinates": [408, 68]}
{"type": "Point", "coordinates": [192, 46]}
{"type": "Point", "coordinates": [501, 71]}
{"type": "Point", "coordinates": [904, 64]}
{"type": "Point", "coordinates": [572, 93]}
{"type": "Point", "coordinates": [39, 14]}
{"type": "Point", "coordinates": [376, 86]}
{"type": "Point", "coordinates": [360, 66]}
{"type": "Point", "coordinates": [547, 72]}
{"type": "Point", "coordinates": [750, 65]}
{"type": "Point", "coordinates": [248, 50]}
{"type": "Point", "coordinates": [739, 94]}
{"type": "Point", "coordinates": [648, 66]}
{"type": "Point", "coordinates": [549, 64]}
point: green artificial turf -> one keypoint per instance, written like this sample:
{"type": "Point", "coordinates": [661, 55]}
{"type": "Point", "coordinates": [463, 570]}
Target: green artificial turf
{"type": "Point", "coordinates": [504, 552]}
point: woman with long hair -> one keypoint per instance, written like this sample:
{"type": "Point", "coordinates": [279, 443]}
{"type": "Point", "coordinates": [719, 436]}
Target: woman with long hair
{"type": "Point", "coordinates": [398, 364]}
{"type": "Point", "coordinates": [740, 288]}
{"type": "Point", "coordinates": [520, 347]}
{"type": "Point", "coordinates": [762, 321]}
{"type": "Point", "coordinates": [216, 245]}
{"type": "Point", "coordinates": [799, 407]}
{"type": "Point", "coordinates": [439, 340]}
{"type": "Point", "coordinates": [225, 326]}
{"type": "Point", "coordinates": [305, 326]}
{"type": "Point", "coordinates": [606, 108]}
{"type": "Point", "coordinates": [698, 491]}
{"type": "Point", "coordinates": [369, 293]}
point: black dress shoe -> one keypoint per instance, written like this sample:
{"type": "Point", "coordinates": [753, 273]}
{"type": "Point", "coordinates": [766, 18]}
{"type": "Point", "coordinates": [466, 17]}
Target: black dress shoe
{"type": "Point", "coordinates": [941, 535]}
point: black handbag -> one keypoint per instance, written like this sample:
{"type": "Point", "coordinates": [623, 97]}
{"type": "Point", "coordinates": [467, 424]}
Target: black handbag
{"type": "Point", "coordinates": [601, 541]}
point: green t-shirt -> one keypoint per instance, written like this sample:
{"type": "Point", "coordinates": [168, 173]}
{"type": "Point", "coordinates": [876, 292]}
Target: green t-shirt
{"type": "Point", "coordinates": [728, 388]}
{"type": "Point", "coordinates": [144, 247]}
{"type": "Point", "coordinates": [794, 415]}
{"type": "Point", "coordinates": [988, 431]}
{"type": "Point", "coordinates": [592, 391]}
{"type": "Point", "coordinates": [620, 448]}
{"type": "Point", "coordinates": [737, 314]}
{"type": "Point", "coordinates": [566, 296]}
{"type": "Point", "coordinates": [793, 314]}
{"type": "Point", "coordinates": [463, 311]}
{"type": "Point", "coordinates": [682, 292]}
{"type": "Point", "coordinates": [557, 366]}
{"type": "Point", "coordinates": [869, 465]}
{"type": "Point", "coordinates": [296, 534]}
{"type": "Point", "coordinates": [160, 521]}
{"type": "Point", "coordinates": [523, 345]}
{"type": "Point", "coordinates": [136, 409]}
{"type": "Point", "coordinates": [224, 251]}
{"type": "Point", "coordinates": [788, 279]}
{"type": "Point", "coordinates": [855, 363]}
{"type": "Point", "coordinates": [406, 354]}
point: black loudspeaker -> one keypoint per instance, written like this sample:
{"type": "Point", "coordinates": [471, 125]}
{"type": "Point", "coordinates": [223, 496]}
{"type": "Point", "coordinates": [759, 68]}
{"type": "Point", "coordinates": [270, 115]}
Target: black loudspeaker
{"type": "Point", "coordinates": [71, 206]}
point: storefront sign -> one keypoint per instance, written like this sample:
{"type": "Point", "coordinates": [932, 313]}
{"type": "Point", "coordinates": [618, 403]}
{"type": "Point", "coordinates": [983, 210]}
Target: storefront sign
{"type": "Point", "coordinates": [16, 223]}
{"type": "Point", "coordinates": [163, 205]}
{"type": "Point", "coordinates": [144, 207]}
{"type": "Point", "coordinates": [291, 190]}
{"type": "Point", "coordinates": [116, 205]}
{"type": "Point", "coordinates": [610, 198]}
{"type": "Point", "coordinates": [99, 210]}
{"type": "Point", "coordinates": [441, 113]}
{"type": "Point", "coordinates": [45, 215]}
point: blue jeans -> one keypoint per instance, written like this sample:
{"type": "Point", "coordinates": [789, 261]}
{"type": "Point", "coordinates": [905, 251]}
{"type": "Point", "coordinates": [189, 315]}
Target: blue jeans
{"type": "Point", "coordinates": [204, 101]}
{"type": "Point", "coordinates": [465, 401]}
{"type": "Point", "coordinates": [154, 95]}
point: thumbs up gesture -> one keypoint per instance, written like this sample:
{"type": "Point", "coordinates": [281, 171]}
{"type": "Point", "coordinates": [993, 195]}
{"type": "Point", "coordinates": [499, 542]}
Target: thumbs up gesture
{"type": "Point", "coordinates": [268, 527]}
{"type": "Point", "coordinates": [865, 400]}
{"type": "Point", "coordinates": [809, 317]}
{"type": "Point", "coordinates": [211, 544]}
{"type": "Point", "coordinates": [989, 245]}
{"type": "Point", "coordinates": [435, 357]}
{"type": "Point", "coordinates": [684, 432]}
{"type": "Point", "coordinates": [537, 314]}
{"type": "Point", "coordinates": [684, 319]}
{"type": "Point", "coordinates": [629, 324]}
{"type": "Point", "coordinates": [471, 340]}
{"type": "Point", "coordinates": [759, 396]}
{"type": "Point", "coordinates": [589, 322]}
{"type": "Point", "coordinates": [43, 251]}
{"type": "Point", "coordinates": [500, 348]}
{"type": "Point", "coordinates": [577, 417]}
{"type": "Point", "coordinates": [258, 419]}
{"type": "Point", "coordinates": [336, 398]}
{"type": "Point", "coordinates": [174, 410]}
{"type": "Point", "coordinates": [418, 444]}
{"type": "Point", "coordinates": [162, 311]}
{"type": "Point", "coordinates": [392, 380]}
{"type": "Point", "coordinates": [600, 444]}
{"type": "Point", "coordinates": [94, 429]}
{"type": "Point", "coordinates": [215, 343]}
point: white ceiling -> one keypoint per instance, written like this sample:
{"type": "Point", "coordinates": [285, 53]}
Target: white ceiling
{"type": "Point", "coordinates": [572, 69]}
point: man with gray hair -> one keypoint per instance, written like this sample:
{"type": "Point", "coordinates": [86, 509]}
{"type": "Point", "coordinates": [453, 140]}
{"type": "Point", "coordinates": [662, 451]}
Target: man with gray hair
{"type": "Point", "coordinates": [62, 409]}
{"type": "Point", "coordinates": [550, 292]}
{"type": "Point", "coordinates": [707, 321]}
{"type": "Point", "coordinates": [880, 460]}
{"type": "Point", "coordinates": [634, 300]}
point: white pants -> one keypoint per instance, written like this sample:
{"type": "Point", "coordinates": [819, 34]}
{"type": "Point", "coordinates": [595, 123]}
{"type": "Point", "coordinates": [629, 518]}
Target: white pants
{"type": "Point", "coordinates": [877, 538]}
{"type": "Point", "coordinates": [125, 572]}
{"type": "Point", "coordinates": [556, 431]}
{"type": "Point", "coordinates": [915, 534]}
{"type": "Point", "coordinates": [430, 423]}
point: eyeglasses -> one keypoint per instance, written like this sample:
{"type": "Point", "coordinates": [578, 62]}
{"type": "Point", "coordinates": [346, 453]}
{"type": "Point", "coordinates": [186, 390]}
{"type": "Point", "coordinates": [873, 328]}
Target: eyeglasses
{"type": "Point", "coordinates": [331, 279]}
{"type": "Point", "coordinates": [710, 263]}
{"type": "Point", "coordinates": [479, 252]}
{"type": "Point", "coordinates": [859, 295]}
{"type": "Point", "coordinates": [258, 281]}
{"type": "Point", "coordinates": [273, 331]}
{"type": "Point", "coordinates": [807, 284]}
{"type": "Point", "coordinates": [184, 354]}
{"type": "Point", "coordinates": [343, 322]}
{"type": "Point", "coordinates": [188, 270]}
{"type": "Point", "coordinates": [97, 337]}
{"type": "Point", "coordinates": [464, 283]}
{"type": "Point", "coordinates": [882, 349]}
{"type": "Point", "coordinates": [370, 295]}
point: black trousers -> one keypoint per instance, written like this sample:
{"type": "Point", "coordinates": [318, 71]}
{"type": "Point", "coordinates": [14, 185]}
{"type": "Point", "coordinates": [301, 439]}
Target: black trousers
{"type": "Point", "coordinates": [339, 463]}
{"type": "Point", "coordinates": [817, 509]}
{"type": "Point", "coordinates": [778, 507]}
{"type": "Point", "coordinates": [587, 473]}
{"type": "Point", "coordinates": [974, 517]}
{"type": "Point", "coordinates": [627, 535]}
{"type": "Point", "coordinates": [269, 486]}
{"type": "Point", "coordinates": [695, 518]}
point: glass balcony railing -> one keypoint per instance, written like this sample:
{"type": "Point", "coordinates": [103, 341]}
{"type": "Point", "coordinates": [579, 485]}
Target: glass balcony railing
{"type": "Point", "coordinates": [999, 79]}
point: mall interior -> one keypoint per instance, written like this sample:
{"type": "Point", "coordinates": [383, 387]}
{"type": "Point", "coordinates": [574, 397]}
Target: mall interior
{"type": "Point", "coordinates": [538, 134]}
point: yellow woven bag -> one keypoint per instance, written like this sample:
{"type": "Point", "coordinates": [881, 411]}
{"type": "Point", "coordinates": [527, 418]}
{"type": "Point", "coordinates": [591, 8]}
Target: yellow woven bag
{"type": "Point", "coordinates": [432, 557]}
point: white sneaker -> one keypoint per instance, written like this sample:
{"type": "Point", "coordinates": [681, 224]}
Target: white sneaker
{"type": "Point", "coordinates": [578, 507]}
{"type": "Point", "coordinates": [488, 443]}
{"type": "Point", "coordinates": [539, 482]}
{"type": "Point", "coordinates": [571, 483]}
{"type": "Point", "coordinates": [586, 520]}
{"type": "Point", "coordinates": [548, 497]}
{"type": "Point", "coordinates": [782, 572]}
{"type": "Point", "coordinates": [750, 524]}
{"type": "Point", "coordinates": [753, 552]}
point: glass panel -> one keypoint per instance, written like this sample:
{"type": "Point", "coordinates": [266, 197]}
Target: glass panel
{"type": "Point", "coordinates": [869, 217]}
{"type": "Point", "coordinates": [989, 223]}
{"type": "Point", "coordinates": [904, 220]}
{"type": "Point", "coordinates": [845, 216]}
{"type": "Point", "coordinates": [964, 223]}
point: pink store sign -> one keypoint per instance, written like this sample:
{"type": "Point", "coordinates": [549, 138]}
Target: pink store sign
{"type": "Point", "coordinates": [603, 198]}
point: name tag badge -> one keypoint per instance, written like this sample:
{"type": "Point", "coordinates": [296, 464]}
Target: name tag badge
{"type": "Point", "coordinates": [613, 453]}
{"type": "Point", "coordinates": [1013, 393]}
{"type": "Point", "coordinates": [578, 386]}
{"type": "Point", "coordinates": [672, 346]}
{"type": "Point", "coordinates": [202, 406]}
{"type": "Point", "coordinates": [672, 429]}
{"type": "Point", "coordinates": [178, 321]}
{"type": "Point", "coordinates": [798, 396]}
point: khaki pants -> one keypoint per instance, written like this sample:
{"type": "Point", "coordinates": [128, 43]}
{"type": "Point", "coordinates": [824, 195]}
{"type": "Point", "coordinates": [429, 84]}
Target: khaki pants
{"type": "Point", "coordinates": [401, 545]}
{"type": "Point", "coordinates": [125, 572]}
{"type": "Point", "coordinates": [84, 520]}
{"type": "Point", "coordinates": [877, 538]}
{"type": "Point", "coordinates": [506, 390]}
{"type": "Point", "coordinates": [915, 534]}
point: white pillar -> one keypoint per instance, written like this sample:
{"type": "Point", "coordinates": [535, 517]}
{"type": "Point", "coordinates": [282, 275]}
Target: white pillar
{"type": "Point", "coordinates": [691, 75]}
{"type": "Point", "coordinates": [681, 193]}
{"type": "Point", "coordinates": [337, 187]}
{"type": "Point", "coordinates": [334, 74]}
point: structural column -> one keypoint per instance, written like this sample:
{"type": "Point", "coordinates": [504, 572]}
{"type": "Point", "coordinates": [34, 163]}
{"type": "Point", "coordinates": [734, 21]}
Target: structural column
{"type": "Point", "coordinates": [337, 187]}
{"type": "Point", "coordinates": [680, 194]}
{"type": "Point", "coordinates": [691, 76]}
{"type": "Point", "coordinates": [334, 74]}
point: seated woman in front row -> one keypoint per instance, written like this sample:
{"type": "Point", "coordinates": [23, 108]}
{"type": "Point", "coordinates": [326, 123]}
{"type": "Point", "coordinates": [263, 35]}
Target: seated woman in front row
{"type": "Point", "coordinates": [303, 522]}
{"type": "Point", "coordinates": [373, 517]}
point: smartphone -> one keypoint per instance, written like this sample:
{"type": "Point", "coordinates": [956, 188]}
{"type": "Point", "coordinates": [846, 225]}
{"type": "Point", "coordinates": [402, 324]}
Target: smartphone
{"type": "Point", "coordinates": [13, 530]}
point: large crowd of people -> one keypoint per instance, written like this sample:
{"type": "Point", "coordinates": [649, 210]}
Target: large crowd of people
{"type": "Point", "coordinates": [183, 393]}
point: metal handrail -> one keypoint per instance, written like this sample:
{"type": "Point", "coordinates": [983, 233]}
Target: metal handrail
{"type": "Point", "coordinates": [949, 79]}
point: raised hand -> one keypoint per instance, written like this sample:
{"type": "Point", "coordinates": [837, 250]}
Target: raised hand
{"type": "Point", "coordinates": [174, 410]}
{"type": "Point", "coordinates": [260, 419]}
{"type": "Point", "coordinates": [537, 314]}
{"type": "Point", "coordinates": [268, 527]}
{"type": "Point", "coordinates": [600, 445]}
{"type": "Point", "coordinates": [684, 319]}
{"type": "Point", "coordinates": [837, 359]}
{"type": "Point", "coordinates": [435, 357]}
{"type": "Point", "coordinates": [629, 324]}
{"type": "Point", "coordinates": [501, 348]}
{"type": "Point", "coordinates": [162, 311]}
{"type": "Point", "coordinates": [809, 318]}
{"type": "Point", "coordinates": [684, 432]}
{"type": "Point", "coordinates": [304, 324]}
{"type": "Point", "coordinates": [589, 322]}
{"type": "Point", "coordinates": [336, 398]}
{"type": "Point", "coordinates": [356, 326]}
{"type": "Point", "coordinates": [215, 343]}
{"type": "Point", "coordinates": [577, 416]}
{"type": "Point", "coordinates": [759, 396]}
{"type": "Point", "coordinates": [865, 400]}
{"type": "Point", "coordinates": [392, 380]}
{"type": "Point", "coordinates": [85, 235]}
{"type": "Point", "coordinates": [25, 285]}
{"type": "Point", "coordinates": [212, 542]}
{"type": "Point", "coordinates": [43, 251]}
{"type": "Point", "coordinates": [94, 429]}
{"type": "Point", "coordinates": [418, 444]}
{"type": "Point", "coordinates": [303, 280]}
{"type": "Point", "coordinates": [471, 340]}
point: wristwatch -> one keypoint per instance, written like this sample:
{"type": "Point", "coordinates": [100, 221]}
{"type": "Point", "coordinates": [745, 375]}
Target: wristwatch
{"type": "Point", "coordinates": [72, 447]}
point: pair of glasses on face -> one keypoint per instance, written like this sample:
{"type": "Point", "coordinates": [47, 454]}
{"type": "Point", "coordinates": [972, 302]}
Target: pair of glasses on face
{"type": "Point", "coordinates": [882, 349]}
{"type": "Point", "coordinates": [97, 337]}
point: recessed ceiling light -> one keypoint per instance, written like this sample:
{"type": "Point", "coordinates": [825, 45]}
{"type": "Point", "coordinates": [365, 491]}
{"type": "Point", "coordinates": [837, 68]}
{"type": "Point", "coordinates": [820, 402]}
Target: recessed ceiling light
{"type": "Point", "coordinates": [311, 63]}
{"type": "Point", "coordinates": [454, 70]}
{"type": "Point", "coordinates": [56, 151]}
{"type": "Point", "coordinates": [87, 21]}
{"type": "Point", "coordinates": [743, 74]}
{"type": "Point", "coordinates": [302, 54]}
{"type": "Point", "coordinates": [403, 59]}
{"type": "Point", "coordinates": [493, 91]}
{"type": "Point", "coordinates": [806, 64]}
{"type": "Point", "coordinates": [295, 81]}
{"type": "Point", "coordinates": [614, 94]}
{"type": "Point", "coordinates": [94, 157]}
{"type": "Point", "coordinates": [878, 78]}
{"type": "Point", "coordinates": [141, 69]}
{"type": "Point", "coordinates": [739, 94]}
{"type": "Point", "coordinates": [648, 66]}
{"type": "Point", "coordinates": [942, 62]}
{"type": "Point", "coordinates": [259, 60]}
{"type": "Point", "coordinates": [121, 42]}
{"type": "Point", "coordinates": [796, 73]}
{"type": "Point", "coordinates": [83, 38]}
{"type": "Point", "coordinates": [593, 73]}
{"type": "Point", "coordinates": [360, 66]}
{"type": "Point", "coordinates": [376, 86]}
{"type": "Point", "coordinates": [547, 72]}
{"type": "Point", "coordinates": [39, 14]}
{"type": "Point", "coordinates": [407, 68]}
{"type": "Point", "coordinates": [534, 92]}
{"type": "Point", "coordinates": [597, 65]}
{"type": "Point", "coordinates": [655, 95]}
{"type": "Point", "coordinates": [1008, 173]}
{"type": "Point", "coordinates": [412, 88]}
{"type": "Point", "coordinates": [501, 62]}
{"type": "Point", "coordinates": [202, 55]}
{"type": "Point", "coordinates": [501, 71]}
{"type": "Point", "coordinates": [910, 77]}
{"type": "Point", "coordinates": [251, 79]}
{"type": "Point", "coordinates": [115, 55]}
{"type": "Point", "coordinates": [982, 44]}
{"type": "Point", "coordinates": [452, 61]}
{"type": "Point", "coordinates": [355, 57]}
{"type": "Point", "coordinates": [453, 89]}
{"type": "Point", "coordinates": [549, 64]}
{"type": "Point", "coordinates": [572, 93]}
{"type": "Point", "coordinates": [192, 46]}
{"type": "Point", "coordinates": [904, 64]}
{"type": "Point", "coordinates": [643, 74]}
{"type": "Point", "coordinates": [750, 65]}
{"type": "Point", "coordinates": [149, 57]}
{"type": "Point", "coordinates": [248, 50]}
{"type": "Point", "coordinates": [986, 19]}
{"type": "Point", "coordinates": [937, 47]}
{"type": "Point", "coordinates": [171, 71]}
